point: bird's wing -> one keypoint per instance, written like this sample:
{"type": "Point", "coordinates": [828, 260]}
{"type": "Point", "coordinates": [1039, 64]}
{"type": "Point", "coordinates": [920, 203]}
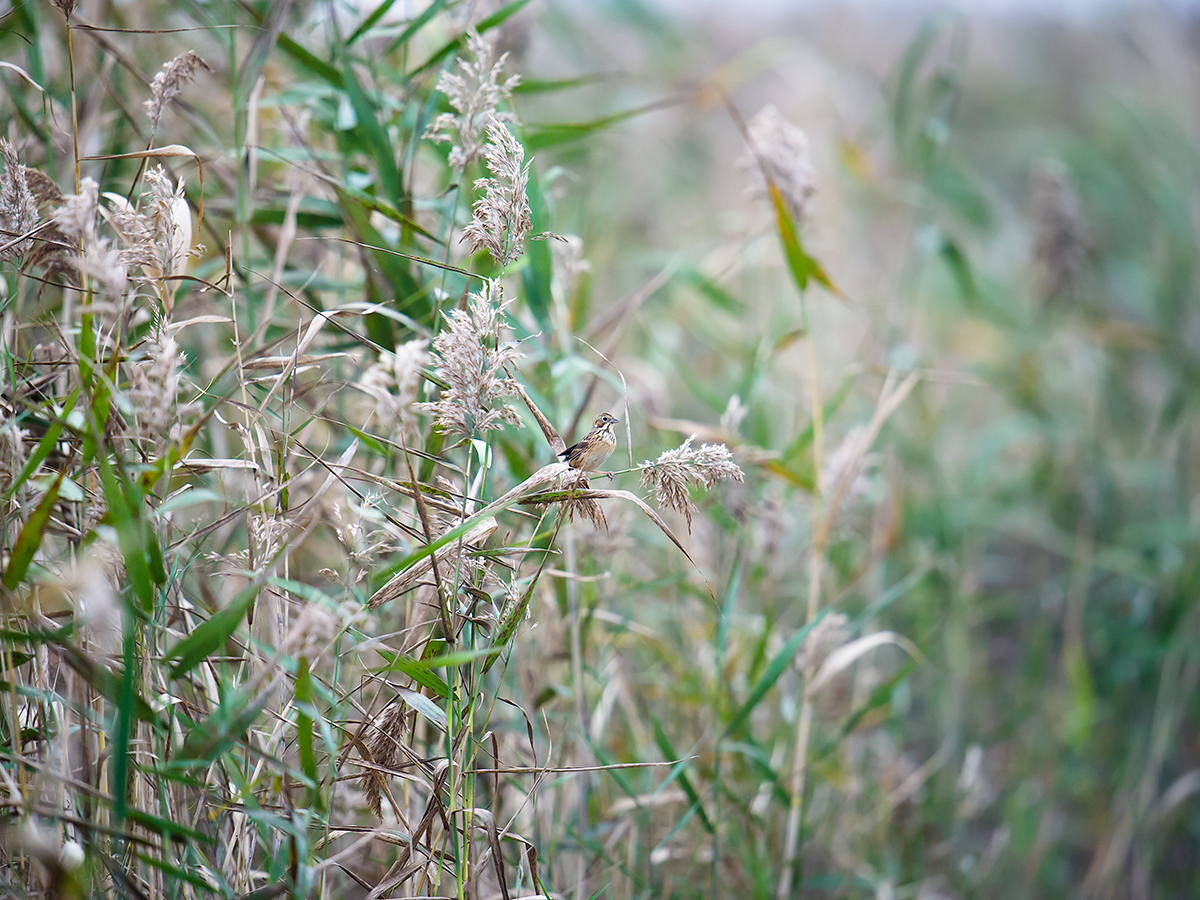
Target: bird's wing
{"type": "Point", "coordinates": [572, 453]}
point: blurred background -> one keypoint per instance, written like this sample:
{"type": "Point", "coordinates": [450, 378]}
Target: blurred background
{"type": "Point", "coordinates": [999, 697]}
{"type": "Point", "coordinates": [1006, 194]}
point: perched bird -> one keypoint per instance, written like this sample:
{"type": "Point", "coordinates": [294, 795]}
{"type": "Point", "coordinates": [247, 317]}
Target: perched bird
{"type": "Point", "coordinates": [589, 454]}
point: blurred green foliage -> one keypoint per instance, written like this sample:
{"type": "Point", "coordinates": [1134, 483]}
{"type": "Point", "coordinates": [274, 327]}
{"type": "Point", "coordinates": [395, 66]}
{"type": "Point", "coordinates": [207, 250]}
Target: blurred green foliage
{"type": "Point", "coordinates": [1005, 208]}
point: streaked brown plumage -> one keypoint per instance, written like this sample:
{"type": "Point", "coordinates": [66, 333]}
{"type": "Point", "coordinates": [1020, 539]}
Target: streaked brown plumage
{"type": "Point", "coordinates": [589, 454]}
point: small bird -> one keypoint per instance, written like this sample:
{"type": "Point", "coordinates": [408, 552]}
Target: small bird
{"type": "Point", "coordinates": [589, 454]}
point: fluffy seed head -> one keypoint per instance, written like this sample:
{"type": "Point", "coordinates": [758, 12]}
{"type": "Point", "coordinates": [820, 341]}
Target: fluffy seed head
{"type": "Point", "coordinates": [735, 412]}
{"type": "Point", "coordinates": [168, 82]}
{"type": "Point", "coordinates": [831, 632]}
{"type": "Point", "coordinates": [410, 358]}
{"type": "Point", "coordinates": [577, 503]}
{"type": "Point", "coordinates": [18, 205]}
{"type": "Point", "coordinates": [395, 384]}
{"type": "Point", "coordinates": [474, 95]}
{"type": "Point", "coordinates": [849, 462]}
{"type": "Point", "coordinates": [471, 360]}
{"type": "Point", "coordinates": [569, 265]}
{"type": "Point", "coordinates": [501, 217]}
{"type": "Point", "coordinates": [94, 583]}
{"type": "Point", "coordinates": [42, 186]}
{"type": "Point", "coordinates": [585, 507]}
{"type": "Point", "coordinates": [76, 218]}
{"type": "Point", "coordinates": [170, 221]}
{"type": "Point", "coordinates": [157, 236]}
{"type": "Point", "coordinates": [155, 385]}
{"type": "Point", "coordinates": [675, 470]}
{"type": "Point", "coordinates": [106, 267]}
{"type": "Point", "coordinates": [387, 750]}
{"type": "Point", "coordinates": [364, 545]}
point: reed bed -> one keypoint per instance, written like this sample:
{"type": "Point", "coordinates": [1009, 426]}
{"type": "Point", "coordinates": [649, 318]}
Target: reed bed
{"type": "Point", "coordinates": [300, 597]}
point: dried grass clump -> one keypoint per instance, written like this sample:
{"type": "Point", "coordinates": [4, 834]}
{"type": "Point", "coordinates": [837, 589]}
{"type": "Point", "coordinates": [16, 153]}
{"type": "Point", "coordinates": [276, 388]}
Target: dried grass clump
{"type": "Point", "coordinates": [779, 155]}
{"type": "Point", "coordinates": [676, 470]}
{"type": "Point", "coordinates": [501, 217]}
{"type": "Point", "coordinates": [169, 81]}
{"type": "Point", "coordinates": [18, 206]}
{"type": "Point", "coordinates": [470, 358]}
{"type": "Point", "coordinates": [475, 96]}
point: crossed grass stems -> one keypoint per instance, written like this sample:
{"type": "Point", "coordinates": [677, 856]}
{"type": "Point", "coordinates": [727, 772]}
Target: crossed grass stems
{"type": "Point", "coordinates": [386, 753]}
{"type": "Point", "coordinates": [294, 641]}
